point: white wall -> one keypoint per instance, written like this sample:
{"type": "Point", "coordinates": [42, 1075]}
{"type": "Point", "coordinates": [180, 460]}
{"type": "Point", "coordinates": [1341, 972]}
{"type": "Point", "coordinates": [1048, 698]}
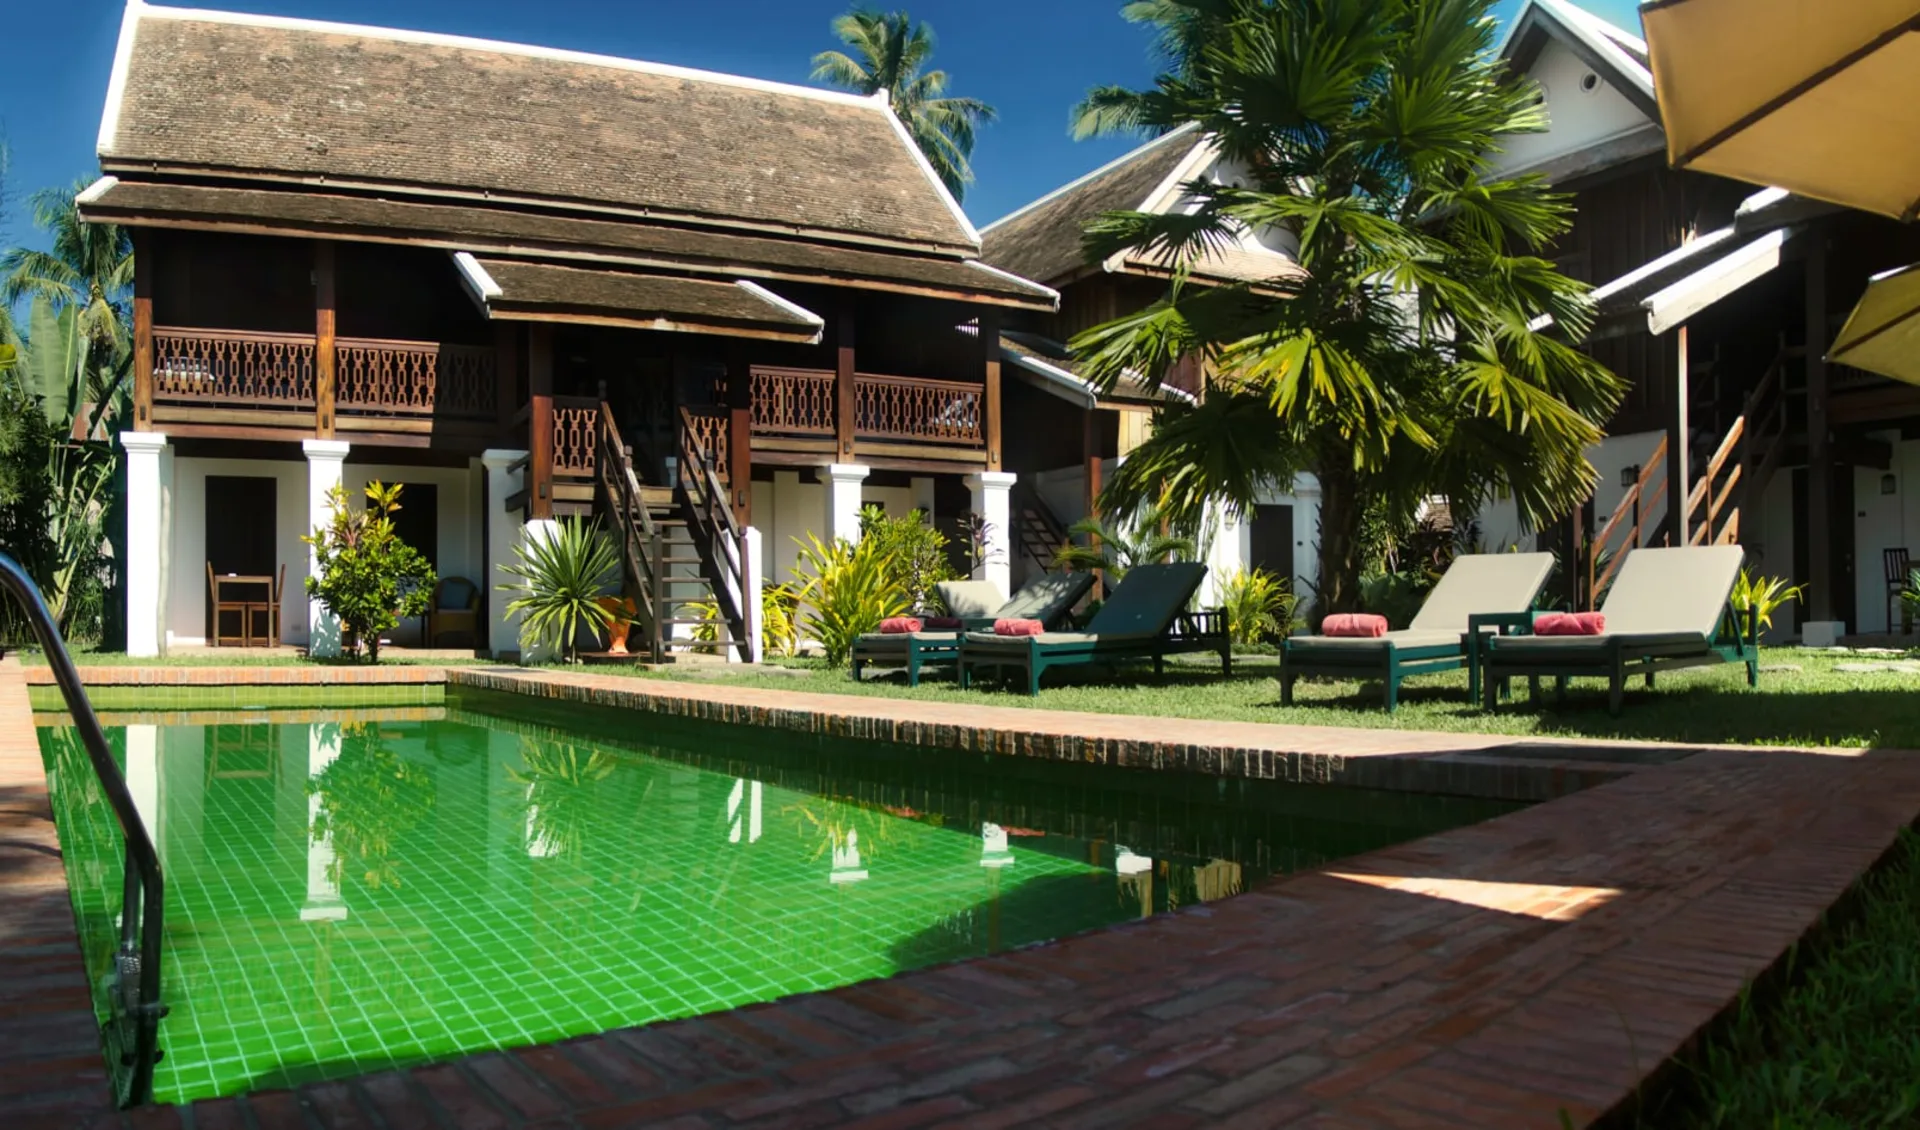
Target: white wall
{"type": "Point", "coordinates": [792, 506]}
{"type": "Point", "coordinates": [1499, 518]}
{"type": "Point", "coordinates": [460, 552]}
{"type": "Point", "coordinates": [1882, 522]}
{"type": "Point", "coordinates": [1578, 117]}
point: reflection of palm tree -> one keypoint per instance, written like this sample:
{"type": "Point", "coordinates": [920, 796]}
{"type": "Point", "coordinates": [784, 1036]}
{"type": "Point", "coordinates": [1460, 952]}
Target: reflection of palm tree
{"type": "Point", "coordinates": [369, 800]}
{"type": "Point", "coordinates": [560, 799]}
{"type": "Point", "coordinates": [837, 822]}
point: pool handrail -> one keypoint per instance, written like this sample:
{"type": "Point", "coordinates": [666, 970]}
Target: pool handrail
{"type": "Point", "coordinates": [135, 984]}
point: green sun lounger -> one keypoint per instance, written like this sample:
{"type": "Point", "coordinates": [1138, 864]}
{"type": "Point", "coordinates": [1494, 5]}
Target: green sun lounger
{"type": "Point", "coordinates": [1480, 592]}
{"type": "Point", "coordinates": [1142, 619]}
{"type": "Point", "coordinates": [1048, 598]}
{"type": "Point", "coordinates": [1668, 608]}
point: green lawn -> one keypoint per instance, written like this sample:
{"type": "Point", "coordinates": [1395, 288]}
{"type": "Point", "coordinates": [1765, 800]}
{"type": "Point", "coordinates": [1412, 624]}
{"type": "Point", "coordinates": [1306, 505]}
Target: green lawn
{"type": "Point", "coordinates": [1812, 705]}
{"type": "Point", "coordinates": [1836, 1048]}
{"type": "Point", "coordinates": [240, 657]}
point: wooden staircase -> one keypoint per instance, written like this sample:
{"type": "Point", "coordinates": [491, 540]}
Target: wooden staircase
{"type": "Point", "coordinates": [1037, 529]}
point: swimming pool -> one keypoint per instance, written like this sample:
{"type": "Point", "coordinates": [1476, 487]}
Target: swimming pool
{"type": "Point", "coordinates": [371, 890]}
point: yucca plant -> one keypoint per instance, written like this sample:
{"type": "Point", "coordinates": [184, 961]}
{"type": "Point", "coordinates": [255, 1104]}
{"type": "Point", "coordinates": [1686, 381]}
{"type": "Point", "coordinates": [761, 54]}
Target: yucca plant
{"type": "Point", "coordinates": [1763, 596]}
{"type": "Point", "coordinates": [1260, 605]}
{"type": "Point", "coordinates": [561, 793]}
{"type": "Point", "coordinates": [562, 578]}
{"type": "Point", "coordinates": [847, 588]}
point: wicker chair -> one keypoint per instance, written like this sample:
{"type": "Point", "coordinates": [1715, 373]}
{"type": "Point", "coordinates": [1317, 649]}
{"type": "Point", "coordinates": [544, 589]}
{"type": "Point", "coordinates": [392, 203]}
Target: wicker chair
{"type": "Point", "coordinates": [456, 608]}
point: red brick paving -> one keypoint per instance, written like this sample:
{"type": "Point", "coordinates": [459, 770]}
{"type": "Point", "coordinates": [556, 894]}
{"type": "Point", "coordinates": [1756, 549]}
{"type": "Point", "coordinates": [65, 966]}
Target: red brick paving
{"type": "Point", "coordinates": [1536, 966]}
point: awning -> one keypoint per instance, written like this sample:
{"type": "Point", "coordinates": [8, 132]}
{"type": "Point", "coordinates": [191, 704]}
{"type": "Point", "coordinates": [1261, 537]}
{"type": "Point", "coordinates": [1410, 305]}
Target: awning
{"type": "Point", "coordinates": [1821, 97]}
{"type": "Point", "coordinates": [517, 290]}
{"type": "Point", "coordinates": [1883, 333]}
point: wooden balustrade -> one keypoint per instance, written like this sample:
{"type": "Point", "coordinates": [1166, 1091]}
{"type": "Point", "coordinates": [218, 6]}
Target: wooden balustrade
{"type": "Point", "coordinates": [795, 402]}
{"type": "Point", "coordinates": [419, 378]}
{"type": "Point", "coordinates": [914, 408]}
{"type": "Point", "coordinates": [708, 430]}
{"type": "Point", "coordinates": [209, 368]}
{"type": "Point", "coordinates": [576, 435]}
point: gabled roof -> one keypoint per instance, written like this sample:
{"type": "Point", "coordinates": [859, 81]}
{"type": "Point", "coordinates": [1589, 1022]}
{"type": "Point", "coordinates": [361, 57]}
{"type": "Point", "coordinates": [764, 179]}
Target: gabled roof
{"type": "Point", "coordinates": [1619, 56]}
{"type": "Point", "coordinates": [267, 98]}
{"type": "Point", "coordinates": [1598, 90]}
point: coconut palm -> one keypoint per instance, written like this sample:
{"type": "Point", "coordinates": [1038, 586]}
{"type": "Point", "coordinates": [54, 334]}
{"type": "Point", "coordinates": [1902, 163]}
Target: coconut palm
{"type": "Point", "coordinates": [88, 269]}
{"type": "Point", "coordinates": [1408, 359]}
{"type": "Point", "coordinates": [1115, 548]}
{"type": "Point", "coordinates": [888, 53]}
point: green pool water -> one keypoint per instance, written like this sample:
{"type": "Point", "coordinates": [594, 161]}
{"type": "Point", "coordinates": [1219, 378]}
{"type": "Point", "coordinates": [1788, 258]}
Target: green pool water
{"type": "Point", "coordinates": [368, 891]}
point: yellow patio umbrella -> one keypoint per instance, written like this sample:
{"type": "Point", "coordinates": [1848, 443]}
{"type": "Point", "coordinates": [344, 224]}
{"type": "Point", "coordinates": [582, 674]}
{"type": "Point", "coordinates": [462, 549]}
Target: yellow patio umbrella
{"type": "Point", "coordinates": [1821, 97]}
{"type": "Point", "coordinates": [1882, 335]}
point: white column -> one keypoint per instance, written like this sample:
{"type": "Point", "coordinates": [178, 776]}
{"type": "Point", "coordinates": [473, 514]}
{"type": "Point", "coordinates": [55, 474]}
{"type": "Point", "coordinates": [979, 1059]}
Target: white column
{"type": "Point", "coordinates": [537, 530]}
{"type": "Point", "coordinates": [323, 902]}
{"type": "Point", "coordinates": [143, 777]}
{"type": "Point", "coordinates": [1221, 552]}
{"type": "Point", "coordinates": [756, 579]}
{"type": "Point", "coordinates": [324, 460]}
{"type": "Point", "coordinates": [503, 531]}
{"type": "Point", "coordinates": [1306, 540]}
{"type": "Point", "coordinates": [146, 541]}
{"type": "Point", "coordinates": [843, 499]}
{"type": "Point", "coordinates": [990, 490]}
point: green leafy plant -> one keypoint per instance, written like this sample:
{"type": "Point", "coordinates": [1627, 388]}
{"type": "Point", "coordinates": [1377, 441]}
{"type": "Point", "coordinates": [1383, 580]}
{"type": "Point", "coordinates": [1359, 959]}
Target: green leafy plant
{"type": "Point", "coordinates": [779, 620]}
{"type": "Point", "coordinates": [1910, 601]}
{"type": "Point", "coordinates": [1763, 596]}
{"type": "Point", "coordinates": [1116, 548]}
{"type": "Point", "coordinates": [1260, 605]}
{"type": "Point", "coordinates": [1397, 596]}
{"type": "Point", "coordinates": [370, 798]}
{"type": "Point", "coordinates": [562, 578]}
{"type": "Point", "coordinates": [916, 552]}
{"type": "Point", "coordinates": [561, 796]}
{"type": "Point", "coordinates": [368, 578]}
{"type": "Point", "coordinates": [846, 588]}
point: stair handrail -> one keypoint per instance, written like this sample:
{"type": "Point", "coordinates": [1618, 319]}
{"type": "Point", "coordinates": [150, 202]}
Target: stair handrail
{"type": "Point", "coordinates": [1650, 484]}
{"type": "Point", "coordinates": [1028, 498]}
{"type": "Point", "coordinates": [136, 979]}
{"type": "Point", "coordinates": [640, 546]}
{"type": "Point", "coordinates": [1704, 497]}
{"type": "Point", "coordinates": [711, 514]}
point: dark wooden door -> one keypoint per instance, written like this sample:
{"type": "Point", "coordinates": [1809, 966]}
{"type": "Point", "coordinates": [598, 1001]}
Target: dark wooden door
{"type": "Point", "coordinates": [1272, 540]}
{"type": "Point", "coordinates": [240, 520]}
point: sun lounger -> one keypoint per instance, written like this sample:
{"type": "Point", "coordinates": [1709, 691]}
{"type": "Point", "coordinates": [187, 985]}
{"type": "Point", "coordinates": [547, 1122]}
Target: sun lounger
{"type": "Point", "coordinates": [1142, 619]}
{"type": "Point", "coordinates": [1047, 598]}
{"type": "Point", "coordinates": [1668, 608]}
{"type": "Point", "coordinates": [1480, 592]}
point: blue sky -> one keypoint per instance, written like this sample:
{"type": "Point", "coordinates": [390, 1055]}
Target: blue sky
{"type": "Point", "coordinates": [1031, 59]}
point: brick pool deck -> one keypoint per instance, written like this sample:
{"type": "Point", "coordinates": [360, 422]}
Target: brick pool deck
{"type": "Point", "coordinates": [1539, 965]}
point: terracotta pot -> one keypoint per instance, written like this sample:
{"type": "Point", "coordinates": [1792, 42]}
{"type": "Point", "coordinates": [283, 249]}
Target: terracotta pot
{"type": "Point", "coordinates": [617, 631]}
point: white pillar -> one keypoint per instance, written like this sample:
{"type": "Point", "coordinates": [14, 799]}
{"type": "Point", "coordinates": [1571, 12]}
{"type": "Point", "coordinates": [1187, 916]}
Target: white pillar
{"type": "Point", "coordinates": [922, 495]}
{"type": "Point", "coordinates": [323, 902]}
{"type": "Point", "coordinates": [756, 580]}
{"type": "Point", "coordinates": [143, 777]}
{"type": "Point", "coordinates": [146, 541]}
{"type": "Point", "coordinates": [990, 490]}
{"type": "Point", "coordinates": [503, 531]}
{"type": "Point", "coordinates": [324, 460]}
{"type": "Point", "coordinates": [537, 530]}
{"type": "Point", "coordinates": [1306, 540]}
{"type": "Point", "coordinates": [843, 499]}
{"type": "Point", "coordinates": [1221, 551]}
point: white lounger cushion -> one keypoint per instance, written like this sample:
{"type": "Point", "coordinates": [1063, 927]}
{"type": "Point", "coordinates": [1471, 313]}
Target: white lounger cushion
{"type": "Point", "coordinates": [1482, 582]}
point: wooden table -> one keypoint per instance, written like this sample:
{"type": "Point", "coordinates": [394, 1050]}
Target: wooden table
{"type": "Point", "coordinates": [246, 607]}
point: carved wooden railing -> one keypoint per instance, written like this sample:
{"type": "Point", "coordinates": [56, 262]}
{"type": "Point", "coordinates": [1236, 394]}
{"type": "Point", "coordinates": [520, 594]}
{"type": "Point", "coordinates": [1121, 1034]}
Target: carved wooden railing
{"type": "Point", "coordinates": [576, 435]}
{"type": "Point", "coordinates": [641, 543]}
{"type": "Point", "coordinates": [796, 402]}
{"type": "Point", "coordinates": [709, 425]}
{"type": "Point", "coordinates": [915, 408]}
{"type": "Point", "coordinates": [1626, 529]}
{"type": "Point", "coordinates": [702, 493]}
{"type": "Point", "coordinates": [232, 367]}
{"type": "Point", "coordinates": [414, 378]}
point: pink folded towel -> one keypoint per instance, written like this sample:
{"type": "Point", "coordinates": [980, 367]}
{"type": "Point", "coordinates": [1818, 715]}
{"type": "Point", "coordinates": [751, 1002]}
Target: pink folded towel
{"type": "Point", "coordinates": [1362, 625]}
{"type": "Point", "coordinates": [1570, 624]}
{"type": "Point", "coordinates": [900, 625]}
{"type": "Point", "coordinates": [945, 623]}
{"type": "Point", "coordinates": [1018, 627]}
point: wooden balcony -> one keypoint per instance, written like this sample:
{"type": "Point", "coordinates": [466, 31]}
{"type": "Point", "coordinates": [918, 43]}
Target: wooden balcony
{"type": "Point", "coordinates": [796, 416]}
{"type": "Point", "coordinates": [256, 385]}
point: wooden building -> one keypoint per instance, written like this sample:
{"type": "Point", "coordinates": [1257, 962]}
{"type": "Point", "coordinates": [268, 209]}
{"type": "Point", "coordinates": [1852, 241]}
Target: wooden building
{"type": "Point", "coordinates": [718, 312]}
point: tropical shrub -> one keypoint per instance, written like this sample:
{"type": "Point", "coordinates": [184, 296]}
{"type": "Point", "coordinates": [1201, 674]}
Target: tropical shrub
{"type": "Point", "coordinates": [847, 588]}
{"type": "Point", "coordinates": [562, 800]}
{"type": "Point", "coordinates": [562, 578]}
{"type": "Point", "coordinates": [1763, 596]}
{"type": "Point", "coordinates": [1910, 600]}
{"type": "Point", "coordinates": [916, 552]}
{"type": "Point", "coordinates": [1115, 548]}
{"type": "Point", "coordinates": [779, 620]}
{"type": "Point", "coordinates": [1260, 605]}
{"type": "Point", "coordinates": [371, 799]}
{"type": "Point", "coordinates": [368, 578]}
{"type": "Point", "coordinates": [1397, 596]}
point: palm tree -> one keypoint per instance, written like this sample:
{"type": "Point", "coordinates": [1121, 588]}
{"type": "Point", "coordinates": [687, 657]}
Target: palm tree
{"type": "Point", "coordinates": [1115, 548]}
{"type": "Point", "coordinates": [888, 53]}
{"type": "Point", "coordinates": [89, 269]}
{"type": "Point", "coordinates": [1407, 360]}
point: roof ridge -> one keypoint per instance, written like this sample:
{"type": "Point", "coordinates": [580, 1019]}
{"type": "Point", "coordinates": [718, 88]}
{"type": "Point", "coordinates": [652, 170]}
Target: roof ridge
{"type": "Point", "coordinates": [1083, 178]}
{"type": "Point", "coordinates": [472, 43]}
{"type": "Point", "coordinates": [1611, 43]}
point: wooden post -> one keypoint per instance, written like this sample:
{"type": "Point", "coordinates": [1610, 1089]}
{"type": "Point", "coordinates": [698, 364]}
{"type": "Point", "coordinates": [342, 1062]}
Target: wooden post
{"type": "Point", "coordinates": [143, 272]}
{"type": "Point", "coordinates": [506, 374]}
{"type": "Point", "coordinates": [990, 353]}
{"type": "Point", "coordinates": [845, 404]}
{"type": "Point", "coordinates": [323, 329]}
{"type": "Point", "coordinates": [1679, 470]}
{"type": "Point", "coordinates": [740, 436]}
{"type": "Point", "coordinates": [540, 420]}
{"type": "Point", "coordinates": [1819, 435]}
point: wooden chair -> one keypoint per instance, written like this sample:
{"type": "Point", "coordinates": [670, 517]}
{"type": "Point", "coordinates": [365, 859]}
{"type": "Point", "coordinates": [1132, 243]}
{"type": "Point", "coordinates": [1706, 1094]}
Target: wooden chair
{"type": "Point", "coordinates": [456, 608]}
{"type": "Point", "coordinates": [240, 608]}
{"type": "Point", "coordinates": [1897, 567]}
{"type": "Point", "coordinates": [270, 610]}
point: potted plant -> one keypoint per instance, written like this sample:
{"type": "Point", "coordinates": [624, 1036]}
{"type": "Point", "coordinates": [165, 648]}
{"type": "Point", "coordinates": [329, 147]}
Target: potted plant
{"type": "Point", "coordinates": [563, 577]}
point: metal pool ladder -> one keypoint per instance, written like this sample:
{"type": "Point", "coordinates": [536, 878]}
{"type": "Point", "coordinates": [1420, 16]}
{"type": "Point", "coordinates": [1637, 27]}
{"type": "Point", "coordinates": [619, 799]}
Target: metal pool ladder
{"type": "Point", "coordinates": [132, 1032]}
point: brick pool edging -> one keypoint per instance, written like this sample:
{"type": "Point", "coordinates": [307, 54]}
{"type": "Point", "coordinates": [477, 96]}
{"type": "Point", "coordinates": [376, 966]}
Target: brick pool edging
{"type": "Point", "coordinates": [243, 675]}
{"type": "Point", "coordinates": [1481, 765]}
